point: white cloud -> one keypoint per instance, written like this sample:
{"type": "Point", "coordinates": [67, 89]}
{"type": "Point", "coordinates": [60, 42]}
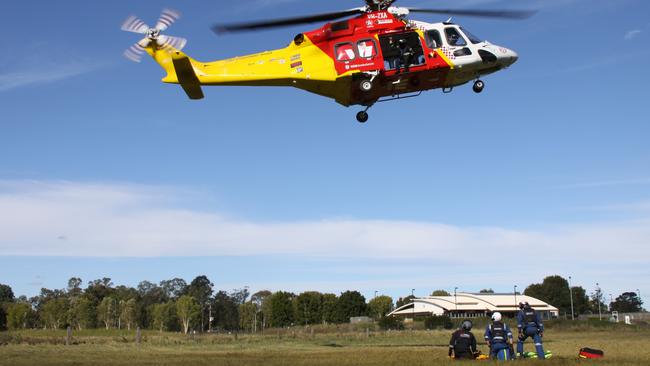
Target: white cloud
{"type": "Point", "coordinates": [631, 34]}
{"type": "Point", "coordinates": [43, 74]}
{"type": "Point", "coordinates": [113, 220]}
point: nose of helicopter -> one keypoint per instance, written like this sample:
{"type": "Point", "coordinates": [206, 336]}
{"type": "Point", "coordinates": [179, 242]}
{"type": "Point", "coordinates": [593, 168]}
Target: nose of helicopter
{"type": "Point", "coordinates": [508, 56]}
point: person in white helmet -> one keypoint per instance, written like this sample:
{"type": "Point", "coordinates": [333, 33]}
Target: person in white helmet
{"type": "Point", "coordinates": [499, 338]}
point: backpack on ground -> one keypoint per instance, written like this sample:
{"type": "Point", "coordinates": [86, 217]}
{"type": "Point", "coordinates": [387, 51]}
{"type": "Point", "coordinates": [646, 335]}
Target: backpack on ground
{"type": "Point", "coordinates": [587, 352]}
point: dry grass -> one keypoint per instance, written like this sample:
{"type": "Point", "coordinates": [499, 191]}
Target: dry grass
{"type": "Point", "coordinates": [622, 346]}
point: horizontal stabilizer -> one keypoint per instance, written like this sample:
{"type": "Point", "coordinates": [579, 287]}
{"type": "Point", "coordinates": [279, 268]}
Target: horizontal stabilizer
{"type": "Point", "coordinates": [187, 78]}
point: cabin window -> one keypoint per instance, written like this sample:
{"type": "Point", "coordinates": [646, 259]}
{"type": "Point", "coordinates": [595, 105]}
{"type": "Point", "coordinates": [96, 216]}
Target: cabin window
{"type": "Point", "coordinates": [344, 52]}
{"type": "Point", "coordinates": [454, 38]}
{"type": "Point", "coordinates": [433, 39]}
{"type": "Point", "coordinates": [367, 48]}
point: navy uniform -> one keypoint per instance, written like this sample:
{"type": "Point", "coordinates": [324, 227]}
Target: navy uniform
{"type": "Point", "coordinates": [463, 343]}
{"type": "Point", "coordinates": [529, 325]}
{"type": "Point", "coordinates": [499, 338]}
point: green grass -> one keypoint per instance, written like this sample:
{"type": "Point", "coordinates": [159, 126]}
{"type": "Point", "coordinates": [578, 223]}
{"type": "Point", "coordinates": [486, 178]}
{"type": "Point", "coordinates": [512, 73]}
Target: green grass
{"type": "Point", "coordinates": [328, 346]}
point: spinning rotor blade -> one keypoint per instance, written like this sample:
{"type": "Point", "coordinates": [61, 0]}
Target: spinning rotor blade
{"type": "Point", "coordinates": [135, 52]}
{"type": "Point", "coordinates": [170, 41]}
{"type": "Point", "coordinates": [135, 25]}
{"type": "Point", "coordinates": [167, 18]}
{"type": "Point", "coordinates": [219, 28]}
{"type": "Point", "coordinates": [506, 14]}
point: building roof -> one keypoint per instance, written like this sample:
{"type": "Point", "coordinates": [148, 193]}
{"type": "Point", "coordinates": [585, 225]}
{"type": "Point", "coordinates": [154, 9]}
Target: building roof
{"type": "Point", "coordinates": [469, 302]}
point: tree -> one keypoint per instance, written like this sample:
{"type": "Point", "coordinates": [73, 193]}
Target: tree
{"type": "Point", "coordinates": [308, 308]}
{"type": "Point", "coordinates": [82, 313]}
{"type": "Point", "coordinates": [406, 300]}
{"type": "Point", "coordinates": [18, 315]}
{"type": "Point", "coordinates": [247, 316]}
{"type": "Point", "coordinates": [128, 312]}
{"type": "Point", "coordinates": [440, 293]}
{"type": "Point", "coordinates": [74, 286]}
{"type": "Point", "coordinates": [597, 302]}
{"type": "Point", "coordinates": [487, 291]}
{"type": "Point", "coordinates": [226, 311]}
{"type": "Point", "coordinates": [164, 316]}
{"type": "Point", "coordinates": [6, 294]}
{"type": "Point", "coordinates": [6, 297]}
{"type": "Point", "coordinates": [580, 300]}
{"type": "Point", "coordinates": [149, 294]}
{"type": "Point", "coordinates": [259, 299]}
{"type": "Point", "coordinates": [106, 311]}
{"type": "Point", "coordinates": [627, 302]}
{"type": "Point", "coordinates": [350, 304]}
{"type": "Point", "coordinates": [54, 312]}
{"type": "Point", "coordinates": [201, 290]}
{"type": "Point", "coordinates": [329, 302]}
{"type": "Point", "coordinates": [187, 310]}
{"type": "Point", "coordinates": [380, 306]}
{"type": "Point", "coordinates": [174, 288]}
{"type": "Point", "coordinates": [97, 290]}
{"type": "Point", "coordinates": [553, 290]}
{"type": "Point", "coordinates": [281, 308]}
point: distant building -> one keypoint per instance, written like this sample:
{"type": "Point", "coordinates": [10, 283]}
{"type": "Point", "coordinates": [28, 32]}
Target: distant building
{"type": "Point", "coordinates": [468, 305]}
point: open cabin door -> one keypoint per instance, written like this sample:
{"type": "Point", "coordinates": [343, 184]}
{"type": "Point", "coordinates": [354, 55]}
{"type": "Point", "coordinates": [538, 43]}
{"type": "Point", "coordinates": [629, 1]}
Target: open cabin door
{"type": "Point", "coordinates": [402, 52]}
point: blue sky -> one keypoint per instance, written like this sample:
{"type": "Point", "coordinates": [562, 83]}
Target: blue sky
{"type": "Point", "coordinates": [105, 171]}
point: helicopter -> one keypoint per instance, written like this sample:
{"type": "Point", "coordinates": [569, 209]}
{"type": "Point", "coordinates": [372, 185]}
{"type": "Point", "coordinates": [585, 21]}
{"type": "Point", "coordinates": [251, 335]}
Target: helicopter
{"type": "Point", "coordinates": [362, 56]}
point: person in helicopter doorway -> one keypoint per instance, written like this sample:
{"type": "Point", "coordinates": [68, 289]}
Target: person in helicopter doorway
{"type": "Point", "coordinates": [405, 58]}
{"type": "Point", "coordinates": [529, 325]}
{"type": "Point", "coordinates": [499, 338]}
{"type": "Point", "coordinates": [463, 343]}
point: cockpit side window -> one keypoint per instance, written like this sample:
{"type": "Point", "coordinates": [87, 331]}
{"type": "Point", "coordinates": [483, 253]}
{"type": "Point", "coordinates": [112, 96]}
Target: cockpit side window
{"type": "Point", "coordinates": [433, 39]}
{"type": "Point", "coordinates": [454, 38]}
{"type": "Point", "coordinates": [344, 52]}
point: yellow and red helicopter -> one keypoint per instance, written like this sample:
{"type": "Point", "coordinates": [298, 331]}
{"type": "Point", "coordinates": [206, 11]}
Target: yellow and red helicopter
{"type": "Point", "coordinates": [375, 54]}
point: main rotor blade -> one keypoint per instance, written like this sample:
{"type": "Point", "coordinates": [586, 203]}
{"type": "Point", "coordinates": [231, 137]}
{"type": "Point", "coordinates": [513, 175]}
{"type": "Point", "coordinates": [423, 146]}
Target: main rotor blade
{"type": "Point", "coordinates": [167, 18]}
{"type": "Point", "coordinates": [135, 25]}
{"type": "Point", "coordinates": [505, 14]}
{"type": "Point", "coordinates": [223, 28]}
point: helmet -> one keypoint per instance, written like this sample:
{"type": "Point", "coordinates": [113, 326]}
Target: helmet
{"type": "Point", "coordinates": [466, 325]}
{"type": "Point", "coordinates": [526, 305]}
{"type": "Point", "coordinates": [521, 305]}
{"type": "Point", "coordinates": [496, 316]}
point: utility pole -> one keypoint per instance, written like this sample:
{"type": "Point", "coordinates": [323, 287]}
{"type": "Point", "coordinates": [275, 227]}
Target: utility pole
{"type": "Point", "coordinates": [571, 295]}
{"type": "Point", "coordinates": [598, 295]}
{"type": "Point", "coordinates": [413, 312]}
{"type": "Point", "coordinates": [375, 294]}
{"type": "Point", "coordinates": [638, 294]}
{"type": "Point", "coordinates": [515, 292]}
{"type": "Point", "coordinates": [455, 301]}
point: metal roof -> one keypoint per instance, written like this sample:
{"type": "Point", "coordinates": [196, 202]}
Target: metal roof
{"type": "Point", "coordinates": [469, 302]}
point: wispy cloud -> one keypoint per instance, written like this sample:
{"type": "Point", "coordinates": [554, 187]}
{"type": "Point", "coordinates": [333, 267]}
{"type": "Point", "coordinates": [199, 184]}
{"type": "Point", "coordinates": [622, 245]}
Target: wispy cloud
{"type": "Point", "coordinates": [631, 34]}
{"type": "Point", "coordinates": [608, 183]}
{"type": "Point", "coordinates": [108, 220]}
{"type": "Point", "coordinates": [46, 73]}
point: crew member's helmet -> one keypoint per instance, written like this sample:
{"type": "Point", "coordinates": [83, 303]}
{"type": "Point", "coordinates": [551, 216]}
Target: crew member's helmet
{"type": "Point", "coordinates": [496, 317]}
{"type": "Point", "coordinates": [466, 325]}
{"type": "Point", "coordinates": [521, 305]}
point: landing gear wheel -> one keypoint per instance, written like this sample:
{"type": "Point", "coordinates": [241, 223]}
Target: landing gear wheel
{"type": "Point", "coordinates": [362, 116]}
{"type": "Point", "coordinates": [365, 85]}
{"type": "Point", "coordinates": [478, 86]}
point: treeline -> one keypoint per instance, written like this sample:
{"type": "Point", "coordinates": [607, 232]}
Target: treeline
{"type": "Point", "coordinates": [555, 291]}
{"type": "Point", "coordinates": [174, 305]}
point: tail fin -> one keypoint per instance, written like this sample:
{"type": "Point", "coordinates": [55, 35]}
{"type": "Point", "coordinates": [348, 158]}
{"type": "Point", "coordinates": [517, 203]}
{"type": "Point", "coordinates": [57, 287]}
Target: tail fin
{"type": "Point", "coordinates": [179, 68]}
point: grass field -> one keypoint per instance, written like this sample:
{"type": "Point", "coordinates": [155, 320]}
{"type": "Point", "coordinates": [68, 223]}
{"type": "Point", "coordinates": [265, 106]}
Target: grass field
{"type": "Point", "coordinates": [622, 346]}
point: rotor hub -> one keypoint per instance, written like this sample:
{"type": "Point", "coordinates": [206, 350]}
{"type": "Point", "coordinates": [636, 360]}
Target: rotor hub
{"type": "Point", "coordinates": [153, 33]}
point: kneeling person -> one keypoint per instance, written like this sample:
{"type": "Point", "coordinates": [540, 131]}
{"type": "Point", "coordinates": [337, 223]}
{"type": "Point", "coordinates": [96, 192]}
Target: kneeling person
{"type": "Point", "coordinates": [463, 343]}
{"type": "Point", "coordinates": [499, 338]}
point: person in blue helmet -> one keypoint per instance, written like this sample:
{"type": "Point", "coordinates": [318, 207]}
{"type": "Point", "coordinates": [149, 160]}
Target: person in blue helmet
{"type": "Point", "coordinates": [499, 338]}
{"type": "Point", "coordinates": [529, 325]}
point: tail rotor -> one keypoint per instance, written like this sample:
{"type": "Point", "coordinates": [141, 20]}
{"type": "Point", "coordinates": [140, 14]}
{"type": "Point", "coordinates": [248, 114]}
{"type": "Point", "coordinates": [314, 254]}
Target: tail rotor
{"type": "Point", "coordinates": [153, 36]}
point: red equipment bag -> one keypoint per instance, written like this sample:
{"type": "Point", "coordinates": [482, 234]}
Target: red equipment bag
{"type": "Point", "coordinates": [590, 353]}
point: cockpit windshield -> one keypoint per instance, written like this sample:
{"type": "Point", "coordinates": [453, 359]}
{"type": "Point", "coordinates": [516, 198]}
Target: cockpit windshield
{"type": "Point", "coordinates": [472, 38]}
